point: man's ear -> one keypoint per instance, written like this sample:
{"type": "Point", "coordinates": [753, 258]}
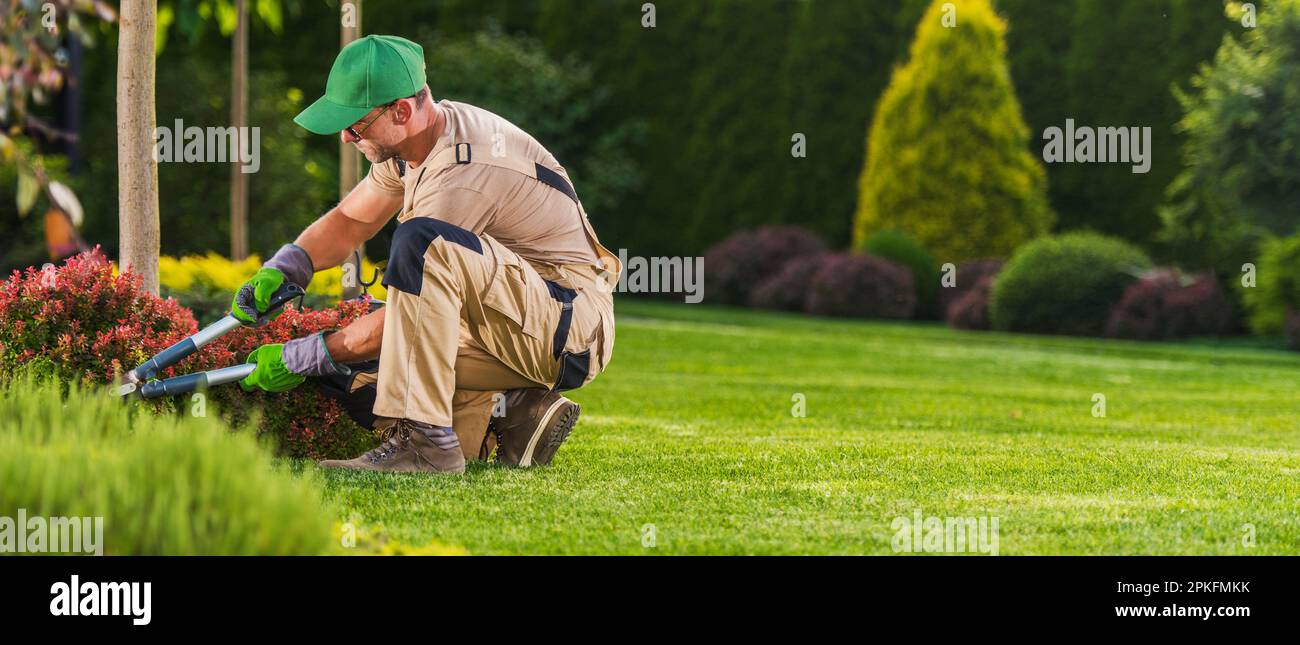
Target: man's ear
{"type": "Point", "coordinates": [402, 111]}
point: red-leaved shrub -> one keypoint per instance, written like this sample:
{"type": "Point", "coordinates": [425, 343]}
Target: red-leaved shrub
{"type": "Point", "coordinates": [967, 277]}
{"type": "Point", "coordinates": [787, 289]}
{"type": "Point", "coordinates": [733, 267]}
{"type": "Point", "coordinates": [971, 310]}
{"type": "Point", "coordinates": [852, 285]}
{"type": "Point", "coordinates": [80, 322]}
{"type": "Point", "coordinates": [1165, 304]}
{"type": "Point", "coordinates": [1200, 308]}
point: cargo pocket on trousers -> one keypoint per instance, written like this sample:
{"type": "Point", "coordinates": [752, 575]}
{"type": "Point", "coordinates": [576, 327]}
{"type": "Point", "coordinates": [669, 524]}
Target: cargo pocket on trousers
{"type": "Point", "coordinates": [509, 295]}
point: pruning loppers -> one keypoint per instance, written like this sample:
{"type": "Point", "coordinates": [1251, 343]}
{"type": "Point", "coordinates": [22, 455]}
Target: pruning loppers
{"type": "Point", "coordinates": [141, 381]}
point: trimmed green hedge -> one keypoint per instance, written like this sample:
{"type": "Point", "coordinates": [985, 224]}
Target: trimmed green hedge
{"type": "Point", "coordinates": [173, 485]}
{"type": "Point", "coordinates": [1065, 284]}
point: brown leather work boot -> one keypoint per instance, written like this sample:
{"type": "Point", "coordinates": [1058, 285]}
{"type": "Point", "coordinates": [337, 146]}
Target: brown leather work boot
{"type": "Point", "coordinates": [537, 421]}
{"type": "Point", "coordinates": [410, 447]}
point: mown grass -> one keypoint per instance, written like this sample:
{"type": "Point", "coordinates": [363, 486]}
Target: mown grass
{"type": "Point", "coordinates": [691, 430]}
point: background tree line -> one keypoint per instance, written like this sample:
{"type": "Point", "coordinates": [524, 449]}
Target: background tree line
{"type": "Point", "coordinates": [676, 135]}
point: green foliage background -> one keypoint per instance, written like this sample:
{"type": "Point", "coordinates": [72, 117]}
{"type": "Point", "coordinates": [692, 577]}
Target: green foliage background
{"type": "Point", "coordinates": [1242, 121]}
{"type": "Point", "coordinates": [1277, 286]}
{"type": "Point", "coordinates": [1120, 68]}
{"type": "Point", "coordinates": [678, 134]}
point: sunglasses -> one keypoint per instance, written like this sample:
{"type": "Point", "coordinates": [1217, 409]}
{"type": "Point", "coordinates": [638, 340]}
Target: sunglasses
{"type": "Point", "coordinates": [357, 134]}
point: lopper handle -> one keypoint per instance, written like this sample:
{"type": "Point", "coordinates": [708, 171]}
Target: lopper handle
{"type": "Point", "coordinates": [287, 292]}
{"type": "Point", "coordinates": [191, 382]}
{"type": "Point", "coordinates": [178, 352]}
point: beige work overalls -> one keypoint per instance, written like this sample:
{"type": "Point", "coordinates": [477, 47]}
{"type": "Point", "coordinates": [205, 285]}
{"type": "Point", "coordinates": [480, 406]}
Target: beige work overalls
{"type": "Point", "coordinates": [468, 318]}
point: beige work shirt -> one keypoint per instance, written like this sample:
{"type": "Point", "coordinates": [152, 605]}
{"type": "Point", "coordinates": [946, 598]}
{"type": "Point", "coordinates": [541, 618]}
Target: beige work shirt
{"type": "Point", "coordinates": [539, 223]}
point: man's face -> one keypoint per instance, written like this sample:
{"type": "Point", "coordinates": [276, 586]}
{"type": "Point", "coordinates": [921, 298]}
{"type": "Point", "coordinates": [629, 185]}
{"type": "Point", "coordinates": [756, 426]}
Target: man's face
{"type": "Point", "coordinates": [374, 135]}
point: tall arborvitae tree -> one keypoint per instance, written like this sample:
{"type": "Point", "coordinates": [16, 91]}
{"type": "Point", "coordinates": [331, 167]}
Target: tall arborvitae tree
{"type": "Point", "coordinates": [839, 61]}
{"type": "Point", "coordinates": [949, 158]}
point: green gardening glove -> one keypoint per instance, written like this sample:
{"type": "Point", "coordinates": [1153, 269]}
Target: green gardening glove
{"type": "Point", "coordinates": [271, 374]}
{"type": "Point", "coordinates": [252, 299]}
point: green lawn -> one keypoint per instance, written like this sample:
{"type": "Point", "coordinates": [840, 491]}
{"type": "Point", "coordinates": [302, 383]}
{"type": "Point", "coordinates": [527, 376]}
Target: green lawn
{"type": "Point", "coordinates": [691, 430]}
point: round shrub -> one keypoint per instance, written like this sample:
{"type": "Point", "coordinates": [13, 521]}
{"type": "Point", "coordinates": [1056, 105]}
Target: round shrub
{"type": "Point", "coordinates": [971, 310]}
{"type": "Point", "coordinates": [787, 289]}
{"type": "Point", "coordinates": [1065, 284]}
{"type": "Point", "coordinates": [901, 248]}
{"type": "Point", "coordinates": [968, 275]}
{"type": "Point", "coordinates": [733, 267]}
{"type": "Point", "coordinates": [850, 285]}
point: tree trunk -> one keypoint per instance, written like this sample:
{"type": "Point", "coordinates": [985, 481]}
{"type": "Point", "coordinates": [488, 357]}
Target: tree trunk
{"type": "Point", "coordinates": [349, 158]}
{"type": "Point", "coordinates": [239, 119]}
{"type": "Point", "coordinates": [137, 170]}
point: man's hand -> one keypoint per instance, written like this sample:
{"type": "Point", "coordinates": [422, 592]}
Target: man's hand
{"type": "Point", "coordinates": [291, 263]}
{"type": "Point", "coordinates": [325, 243]}
{"type": "Point", "coordinates": [284, 367]}
{"type": "Point", "coordinates": [271, 373]}
{"type": "Point", "coordinates": [253, 299]}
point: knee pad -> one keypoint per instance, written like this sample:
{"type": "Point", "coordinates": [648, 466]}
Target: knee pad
{"type": "Point", "coordinates": [411, 242]}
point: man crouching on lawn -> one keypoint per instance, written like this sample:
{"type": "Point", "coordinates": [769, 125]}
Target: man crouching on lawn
{"type": "Point", "coordinates": [496, 280]}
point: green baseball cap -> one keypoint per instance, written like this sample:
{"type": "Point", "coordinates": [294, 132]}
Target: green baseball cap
{"type": "Point", "coordinates": [369, 72]}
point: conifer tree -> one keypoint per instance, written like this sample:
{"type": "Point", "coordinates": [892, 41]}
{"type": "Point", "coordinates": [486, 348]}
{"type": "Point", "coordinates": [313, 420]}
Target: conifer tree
{"type": "Point", "coordinates": [949, 159]}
